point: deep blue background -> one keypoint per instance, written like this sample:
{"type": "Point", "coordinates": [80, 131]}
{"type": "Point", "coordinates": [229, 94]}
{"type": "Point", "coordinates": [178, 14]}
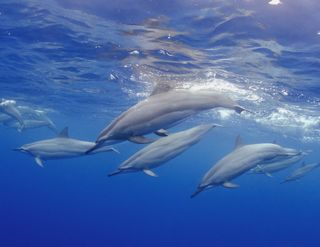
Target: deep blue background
{"type": "Point", "coordinates": [60, 55]}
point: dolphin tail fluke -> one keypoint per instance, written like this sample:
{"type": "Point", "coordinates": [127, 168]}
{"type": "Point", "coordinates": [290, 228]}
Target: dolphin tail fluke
{"type": "Point", "coordinates": [114, 173]}
{"type": "Point", "coordinates": [197, 192]}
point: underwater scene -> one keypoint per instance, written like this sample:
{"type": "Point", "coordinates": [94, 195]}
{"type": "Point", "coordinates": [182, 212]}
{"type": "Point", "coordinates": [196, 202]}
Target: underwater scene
{"type": "Point", "coordinates": [137, 123]}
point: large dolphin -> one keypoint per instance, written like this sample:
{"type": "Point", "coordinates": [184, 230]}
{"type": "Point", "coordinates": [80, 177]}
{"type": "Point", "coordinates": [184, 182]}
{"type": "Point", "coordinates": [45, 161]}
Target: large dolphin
{"type": "Point", "coordinates": [162, 150]}
{"type": "Point", "coordinates": [240, 160]}
{"type": "Point", "coordinates": [32, 124]}
{"type": "Point", "coordinates": [60, 147]}
{"type": "Point", "coordinates": [301, 172]}
{"type": "Point", "coordinates": [9, 107]}
{"type": "Point", "coordinates": [161, 111]}
{"type": "Point", "coordinates": [268, 169]}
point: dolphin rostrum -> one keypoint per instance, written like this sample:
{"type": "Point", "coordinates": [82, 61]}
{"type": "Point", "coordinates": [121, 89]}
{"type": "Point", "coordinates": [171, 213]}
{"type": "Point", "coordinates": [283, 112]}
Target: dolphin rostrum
{"type": "Point", "coordinates": [163, 150]}
{"type": "Point", "coordinates": [60, 147]}
{"type": "Point", "coordinates": [240, 160]}
{"type": "Point", "coordinates": [301, 171]}
{"type": "Point", "coordinates": [9, 107]}
{"type": "Point", "coordinates": [161, 111]}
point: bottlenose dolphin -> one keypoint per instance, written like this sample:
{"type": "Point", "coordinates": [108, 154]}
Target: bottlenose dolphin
{"type": "Point", "coordinates": [268, 169]}
{"type": "Point", "coordinates": [9, 107]}
{"type": "Point", "coordinates": [162, 110]}
{"type": "Point", "coordinates": [60, 147]}
{"type": "Point", "coordinates": [32, 124]}
{"type": "Point", "coordinates": [301, 171]}
{"type": "Point", "coordinates": [240, 160]}
{"type": "Point", "coordinates": [163, 150]}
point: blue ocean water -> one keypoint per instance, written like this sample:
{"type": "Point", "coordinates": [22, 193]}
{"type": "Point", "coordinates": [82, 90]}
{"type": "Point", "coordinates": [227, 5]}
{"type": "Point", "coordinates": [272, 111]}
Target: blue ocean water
{"type": "Point", "coordinates": [85, 62]}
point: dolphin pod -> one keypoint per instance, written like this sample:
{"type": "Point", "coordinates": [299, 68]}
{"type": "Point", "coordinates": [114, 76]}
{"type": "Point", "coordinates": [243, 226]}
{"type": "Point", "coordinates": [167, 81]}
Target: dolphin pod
{"type": "Point", "coordinates": [162, 150]}
{"type": "Point", "coordinates": [240, 160]}
{"type": "Point", "coordinates": [60, 147]}
{"type": "Point", "coordinates": [159, 112]}
{"type": "Point", "coordinates": [163, 109]}
{"type": "Point", "coordinates": [301, 172]}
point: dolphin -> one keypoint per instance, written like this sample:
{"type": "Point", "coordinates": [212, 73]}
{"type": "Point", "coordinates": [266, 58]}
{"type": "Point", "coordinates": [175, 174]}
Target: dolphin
{"type": "Point", "coordinates": [268, 169]}
{"type": "Point", "coordinates": [160, 111]}
{"type": "Point", "coordinates": [162, 150]}
{"type": "Point", "coordinates": [37, 114]}
{"type": "Point", "coordinates": [32, 124]}
{"type": "Point", "coordinates": [60, 147]}
{"type": "Point", "coordinates": [301, 172]}
{"type": "Point", "coordinates": [9, 107]}
{"type": "Point", "coordinates": [240, 160]}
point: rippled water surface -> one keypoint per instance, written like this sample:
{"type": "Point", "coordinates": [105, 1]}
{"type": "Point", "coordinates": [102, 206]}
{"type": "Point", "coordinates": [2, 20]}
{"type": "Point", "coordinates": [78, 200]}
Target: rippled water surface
{"type": "Point", "coordinates": [82, 63]}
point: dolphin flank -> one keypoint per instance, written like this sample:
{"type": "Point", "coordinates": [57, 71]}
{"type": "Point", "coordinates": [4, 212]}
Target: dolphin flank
{"type": "Point", "coordinates": [162, 150]}
{"type": "Point", "coordinates": [61, 147]}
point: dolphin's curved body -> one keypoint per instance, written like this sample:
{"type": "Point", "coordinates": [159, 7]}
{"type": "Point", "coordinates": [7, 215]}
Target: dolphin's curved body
{"type": "Point", "coordinates": [301, 172]}
{"type": "Point", "coordinates": [240, 160]}
{"type": "Point", "coordinates": [163, 150]}
{"type": "Point", "coordinates": [162, 111]}
{"type": "Point", "coordinates": [9, 107]}
{"type": "Point", "coordinates": [32, 124]}
{"type": "Point", "coordinates": [268, 169]}
{"type": "Point", "coordinates": [61, 147]}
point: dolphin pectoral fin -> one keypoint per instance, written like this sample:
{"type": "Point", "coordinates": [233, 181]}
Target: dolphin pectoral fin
{"type": "Point", "coordinates": [140, 139]}
{"type": "Point", "coordinates": [150, 173]}
{"type": "Point", "coordinates": [161, 132]}
{"type": "Point", "coordinates": [38, 161]}
{"type": "Point", "coordinates": [230, 185]}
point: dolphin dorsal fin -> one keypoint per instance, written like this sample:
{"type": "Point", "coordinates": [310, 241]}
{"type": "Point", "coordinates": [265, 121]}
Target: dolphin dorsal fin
{"type": "Point", "coordinates": [238, 143]}
{"type": "Point", "coordinates": [161, 88]}
{"type": "Point", "coordinates": [64, 133]}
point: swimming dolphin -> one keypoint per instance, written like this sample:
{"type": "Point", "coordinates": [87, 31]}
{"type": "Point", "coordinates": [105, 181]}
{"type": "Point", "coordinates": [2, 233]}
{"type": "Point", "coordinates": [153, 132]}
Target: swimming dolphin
{"type": "Point", "coordinates": [240, 160]}
{"type": "Point", "coordinates": [37, 114]}
{"type": "Point", "coordinates": [163, 150]}
{"type": "Point", "coordinates": [60, 147]}
{"type": "Point", "coordinates": [9, 107]}
{"type": "Point", "coordinates": [161, 111]}
{"type": "Point", "coordinates": [268, 169]}
{"type": "Point", "coordinates": [301, 172]}
{"type": "Point", "coordinates": [32, 124]}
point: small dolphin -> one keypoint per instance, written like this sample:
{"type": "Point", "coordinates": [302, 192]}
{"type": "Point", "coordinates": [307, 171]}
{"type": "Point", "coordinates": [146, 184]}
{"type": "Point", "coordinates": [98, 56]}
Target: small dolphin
{"type": "Point", "coordinates": [268, 169]}
{"type": "Point", "coordinates": [162, 150]}
{"type": "Point", "coordinates": [61, 147]}
{"type": "Point", "coordinates": [301, 172]}
{"type": "Point", "coordinates": [240, 160]}
{"type": "Point", "coordinates": [9, 107]}
{"type": "Point", "coordinates": [162, 110]}
{"type": "Point", "coordinates": [32, 124]}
